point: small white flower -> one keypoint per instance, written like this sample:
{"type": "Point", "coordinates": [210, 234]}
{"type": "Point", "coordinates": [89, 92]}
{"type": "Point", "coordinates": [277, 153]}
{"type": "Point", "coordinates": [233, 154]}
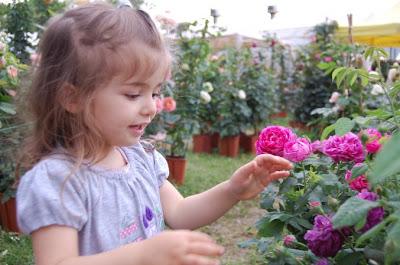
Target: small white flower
{"type": "Point", "coordinates": [373, 76]}
{"type": "Point", "coordinates": [377, 90]}
{"type": "Point", "coordinates": [334, 97]}
{"type": "Point", "coordinates": [241, 94]}
{"type": "Point", "coordinates": [205, 96]}
{"type": "Point", "coordinates": [208, 87]}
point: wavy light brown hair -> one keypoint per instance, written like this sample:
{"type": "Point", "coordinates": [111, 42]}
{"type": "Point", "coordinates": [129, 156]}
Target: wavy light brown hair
{"type": "Point", "coordinates": [85, 48]}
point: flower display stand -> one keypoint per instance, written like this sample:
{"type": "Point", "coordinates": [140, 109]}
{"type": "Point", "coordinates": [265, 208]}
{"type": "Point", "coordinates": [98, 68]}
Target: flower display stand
{"type": "Point", "coordinates": [202, 143]}
{"type": "Point", "coordinates": [177, 169]}
{"type": "Point", "coordinates": [229, 146]}
{"type": "Point", "coordinates": [8, 215]}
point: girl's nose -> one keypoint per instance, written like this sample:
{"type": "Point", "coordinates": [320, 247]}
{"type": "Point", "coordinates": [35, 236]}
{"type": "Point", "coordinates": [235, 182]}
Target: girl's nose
{"type": "Point", "coordinates": [149, 107]}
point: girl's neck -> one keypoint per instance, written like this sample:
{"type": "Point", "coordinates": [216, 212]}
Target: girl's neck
{"type": "Point", "coordinates": [114, 159]}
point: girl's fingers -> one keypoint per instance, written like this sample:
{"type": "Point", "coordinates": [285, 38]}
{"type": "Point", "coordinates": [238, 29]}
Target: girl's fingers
{"type": "Point", "coordinates": [205, 249]}
{"type": "Point", "coordinates": [274, 176]}
{"type": "Point", "coordinates": [194, 236]}
{"type": "Point", "coordinates": [194, 259]}
{"type": "Point", "coordinates": [274, 162]}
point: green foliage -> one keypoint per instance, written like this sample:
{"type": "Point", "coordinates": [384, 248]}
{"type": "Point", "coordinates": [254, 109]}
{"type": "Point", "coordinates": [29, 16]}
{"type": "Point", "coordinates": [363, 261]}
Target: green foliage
{"type": "Point", "coordinates": [15, 249]}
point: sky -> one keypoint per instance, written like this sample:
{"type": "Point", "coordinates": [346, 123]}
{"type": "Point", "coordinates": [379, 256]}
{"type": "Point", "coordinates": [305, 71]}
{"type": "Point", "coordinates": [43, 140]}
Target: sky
{"type": "Point", "coordinates": [250, 18]}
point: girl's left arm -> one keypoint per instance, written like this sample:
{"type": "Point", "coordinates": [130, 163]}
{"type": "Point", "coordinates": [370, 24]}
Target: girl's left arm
{"type": "Point", "coordinates": [206, 207]}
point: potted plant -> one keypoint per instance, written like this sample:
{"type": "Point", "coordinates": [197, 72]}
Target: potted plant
{"type": "Point", "coordinates": [10, 71]}
{"type": "Point", "coordinates": [232, 106]}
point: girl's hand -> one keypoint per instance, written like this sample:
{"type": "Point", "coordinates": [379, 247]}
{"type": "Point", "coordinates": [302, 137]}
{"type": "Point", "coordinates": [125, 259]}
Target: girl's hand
{"type": "Point", "coordinates": [181, 247]}
{"type": "Point", "coordinates": [249, 180]}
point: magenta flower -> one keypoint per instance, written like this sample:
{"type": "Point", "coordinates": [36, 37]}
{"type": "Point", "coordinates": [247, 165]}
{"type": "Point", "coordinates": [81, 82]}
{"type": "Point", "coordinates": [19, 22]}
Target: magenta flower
{"type": "Point", "coordinates": [375, 215]}
{"type": "Point", "coordinates": [344, 148]}
{"type": "Point", "coordinates": [372, 144]}
{"type": "Point", "coordinates": [272, 140]}
{"type": "Point", "coordinates": [297, 150]}
{"type": "Point", "coordinates": [288, 240]}
{"type": "Point", "coordinates": [323, 240]}
{"type": "Point", "coordinates": [316, 146]}
{"type": "Point", "coordinates": [359, 183]}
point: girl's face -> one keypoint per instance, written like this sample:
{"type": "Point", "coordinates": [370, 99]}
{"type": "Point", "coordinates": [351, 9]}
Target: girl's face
{"type": "Point", "coordinates": [123, 108]}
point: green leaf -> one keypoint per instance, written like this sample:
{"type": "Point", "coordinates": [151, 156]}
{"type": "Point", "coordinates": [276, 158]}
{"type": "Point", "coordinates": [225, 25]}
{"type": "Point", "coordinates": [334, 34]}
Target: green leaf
{"type": "Point", "coordinates": [392, 245]}
{"type": "Point", "coordinates": [7, 108]}
{"type": "Point", "coordinates": [353, 77]}
{"type": "Point", "coordinates": [387, 162]}
{"type": "Point", "coordinates": [358, 171]}
{"type": "Point", "coordinates": [341, 76]}
{"type": "Point", "coordinates": [268, 228]}
{"type": "Point", "coordinates": [346, 257]}
{"type": "Point", "coordinates": [352, 211]}
{"type": "Point", "coordinates": [343, 126]}
{"type": "Point", "coordinates": [337, 71]}
{"type": "Point", "coordinates": [327, 131]}
{"type": "Point", "coordinates": [395, 90]}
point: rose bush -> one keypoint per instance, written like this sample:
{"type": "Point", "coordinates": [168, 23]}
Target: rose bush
{"type": "Point", "coordinates": [342, 201]}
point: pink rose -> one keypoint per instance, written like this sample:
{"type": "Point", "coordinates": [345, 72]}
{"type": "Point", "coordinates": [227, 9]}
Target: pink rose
{"type": "Point", "coordinates": [372, 144]}
{"type": "Point", "coordinates": [297, 150]}
{"type": "Point", "coordinates": [288, 240]}
{"type": "Point", "coordinates": [169, 104]}
{"type": "Point", "coordinates": [328, 59]}
{"type": "Point", "coordinates": [314, 204]}
{"type": "Point", "coordinates": [12, 71]}
{"type": "Point", "coordinates": [334, 97]}
{"type": "Point", "coordinates": [316, 146]}
{"type": "Point", "coordinates": [359, 183]}
{"type": "Point", "coordinates": [344, 148]}
{"type": "Point", "coordinates": [272, 140]}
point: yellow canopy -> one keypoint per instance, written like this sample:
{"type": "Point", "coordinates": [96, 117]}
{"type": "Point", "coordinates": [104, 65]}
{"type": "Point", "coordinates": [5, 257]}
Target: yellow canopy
{"type": "Point", "coordinates": [386, 35]}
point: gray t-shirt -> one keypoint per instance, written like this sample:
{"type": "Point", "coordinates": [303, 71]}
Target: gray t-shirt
{"type": "Point", "coordinates": [109, 208]}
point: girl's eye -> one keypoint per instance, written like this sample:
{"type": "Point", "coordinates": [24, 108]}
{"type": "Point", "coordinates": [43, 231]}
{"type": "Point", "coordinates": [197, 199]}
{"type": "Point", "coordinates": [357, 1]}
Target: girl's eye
{"type": "Point", "coordinates": [131, 96]}
{"type": "Point", "coordinates": [156, 95]}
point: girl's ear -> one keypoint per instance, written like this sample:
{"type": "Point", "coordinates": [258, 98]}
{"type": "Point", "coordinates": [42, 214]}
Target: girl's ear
{"type": "Point", "coordinates": [68, 98]}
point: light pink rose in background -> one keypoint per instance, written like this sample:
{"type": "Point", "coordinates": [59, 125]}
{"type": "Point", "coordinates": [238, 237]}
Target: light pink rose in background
{"type": "Point", "coordinates": [272, 140]}
{"type": "Point", "coordinates": [317, 56]}
{"type": "Point", "coordinates": [2, 46]}
{"type": "Point", "coordinates": [297, 150]}
{"type": "Point", "coordinates": [288, 240]}
{"type": "Point", "coordinates": [12, 71]}
{"type": "Point", "coordinates": [314, 204]}
{"type": "Point", "coordinates": [344, 148]}
{"type": "Point", "coordinates": [316, 146]}
{"type": "Point", "coordinates": [334, 97]}
{"type": "Point", "coordinates": [359, 183]}
{"type": "Point", "coordinates": [3, 62]}
{"type": "Point", "coordinates": [328, 59]}
{"type": "Point", "coordinates": [169, 104]}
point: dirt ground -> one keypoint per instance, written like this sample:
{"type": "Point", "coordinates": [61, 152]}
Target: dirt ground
{"type": "Point", "coordinates": [235, 227]}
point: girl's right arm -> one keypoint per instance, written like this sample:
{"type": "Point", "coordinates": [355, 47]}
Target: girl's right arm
{"type": "Point", "coordinates": [58, 245]}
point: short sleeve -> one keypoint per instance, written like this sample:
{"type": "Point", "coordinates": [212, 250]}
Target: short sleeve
{"type": "Point", "coordinates": [161, 168]}
{"type": "Point", "coordinates": [49, 194]}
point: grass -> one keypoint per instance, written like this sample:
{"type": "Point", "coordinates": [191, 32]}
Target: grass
{"type": "Point", "coordinates": [203, 172]}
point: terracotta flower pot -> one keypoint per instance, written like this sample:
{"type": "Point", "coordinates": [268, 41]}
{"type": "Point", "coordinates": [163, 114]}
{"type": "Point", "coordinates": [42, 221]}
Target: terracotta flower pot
{"type": "Point", "coordinates": [202, 143]}
{"type": "Point", "coordinates": [229, 146]}
{"type": "Point", "coordinates": [177, 169]}
{"type": "Point", "coordinates": [248, 143]}
{"type": "Point", "coordinates": [8, 215]}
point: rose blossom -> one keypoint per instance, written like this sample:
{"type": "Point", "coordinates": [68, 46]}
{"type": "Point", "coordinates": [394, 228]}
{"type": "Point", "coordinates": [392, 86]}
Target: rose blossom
{"type": "Point", "coordinates": [288, 240]}
{"type": "Point", "coordinates": [375, 215]}
{"type": "Point", "coordinates": [272, 140]}
{"type": "Point", "coordinates": [334, 97]}
{"type": "Point", "coordinates": [372, 144]}
{"type": "Point", "coordinates": [12, 71]}
{"type": "Point", "coordinates": [359, 183]}
{"type": "Point", "coordinates": [297, 150]}
{"type": "Point", "coordinates": [316, 146]}
{"type": "Point", "coordinates": [344, 148]}
{"type": "Point", "coordinates": [169, 104]}
{"type": "Point", "coordinates": [323, 240]}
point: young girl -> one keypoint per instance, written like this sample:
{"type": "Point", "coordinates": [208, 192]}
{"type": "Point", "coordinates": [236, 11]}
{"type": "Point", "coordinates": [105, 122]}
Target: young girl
{"type": "Point", "coordinates": [95, 193]}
